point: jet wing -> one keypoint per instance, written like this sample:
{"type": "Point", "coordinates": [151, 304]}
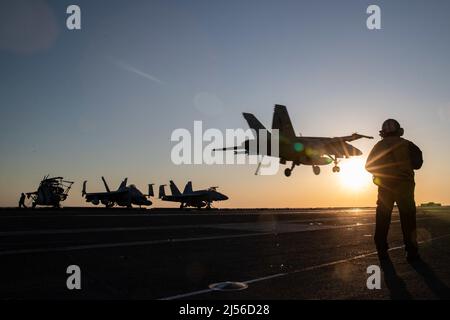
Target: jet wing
{"type": "Point", "coordinates": [340, 147]}
{"type": "Point", "coordinates": [195, 195]}
{"type": "Point", "coordinates": [352, 137]}
{"type": "Point", "coordinates": [105, 195]}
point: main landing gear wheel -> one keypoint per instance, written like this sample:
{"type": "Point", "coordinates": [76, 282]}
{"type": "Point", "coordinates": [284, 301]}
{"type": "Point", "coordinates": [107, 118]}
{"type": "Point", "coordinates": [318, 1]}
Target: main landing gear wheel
{"type": "Point", "coordinates": [109, 205]}
{"type": "Point", "coordinates": [335, 161]}
{"type": "Point", "coordinates": [316, 170]}
{"type": "Point", "coordinates": [287, 172]}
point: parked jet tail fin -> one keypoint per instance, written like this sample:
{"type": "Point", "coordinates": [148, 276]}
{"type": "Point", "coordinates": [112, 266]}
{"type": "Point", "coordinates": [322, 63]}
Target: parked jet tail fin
{"type": "Point", "coordinates": [83, 192]}
{"type": "Point", "coordinates": [106, 185]}
{"type": "Point", "coordinates": [282, 122]}
{"type": "Point", "coordinates": [123, 184]}
{"type": "Point", "coordinates": [253, 122]}
{"type": "Point", "coordinates": [150, 190]}
{"type": "Point", "coordinates": [162, 192]}
{"type": "Point", "coordinates": [188, 188]}
{"type": "Point", "coordinates": [174, 189]}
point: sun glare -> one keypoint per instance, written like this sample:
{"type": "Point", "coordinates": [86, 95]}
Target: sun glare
{"type": "Point", "coordinates": [353, 175]}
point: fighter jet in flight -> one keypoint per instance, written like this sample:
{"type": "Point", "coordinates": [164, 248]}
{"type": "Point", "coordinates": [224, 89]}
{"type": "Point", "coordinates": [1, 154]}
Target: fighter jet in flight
{"type": "Point", "coordinates": [190, 198]}
{"type": "Point", "coordinates": [311, 151]}
{"type": "Point", "coordinates": [124, 196]}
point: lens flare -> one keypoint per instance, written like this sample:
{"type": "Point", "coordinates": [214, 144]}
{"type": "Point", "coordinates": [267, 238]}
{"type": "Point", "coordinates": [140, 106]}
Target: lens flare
{"type": "Point", "coordinates": [298, 147]}
{"type": "Point", "coordinates": [353, 174]}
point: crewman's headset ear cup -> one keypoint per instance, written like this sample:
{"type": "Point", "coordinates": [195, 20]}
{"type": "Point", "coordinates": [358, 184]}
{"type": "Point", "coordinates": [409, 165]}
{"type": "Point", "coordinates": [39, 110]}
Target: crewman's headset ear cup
{"type": "Point", "coordinates": [401, 132]}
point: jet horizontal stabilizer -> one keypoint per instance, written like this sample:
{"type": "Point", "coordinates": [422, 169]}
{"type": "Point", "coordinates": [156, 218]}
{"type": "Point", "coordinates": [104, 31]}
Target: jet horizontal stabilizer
{"type": "Point", "coordinates": [236, 148]}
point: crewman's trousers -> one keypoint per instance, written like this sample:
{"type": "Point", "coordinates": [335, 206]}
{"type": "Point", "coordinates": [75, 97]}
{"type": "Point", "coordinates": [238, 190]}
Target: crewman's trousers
{"type": "Point", "coordinates": [402, 193]}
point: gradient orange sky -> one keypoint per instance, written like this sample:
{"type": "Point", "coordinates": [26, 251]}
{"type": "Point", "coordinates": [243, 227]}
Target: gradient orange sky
{"type": "Point", "coordinates": [103, 101]}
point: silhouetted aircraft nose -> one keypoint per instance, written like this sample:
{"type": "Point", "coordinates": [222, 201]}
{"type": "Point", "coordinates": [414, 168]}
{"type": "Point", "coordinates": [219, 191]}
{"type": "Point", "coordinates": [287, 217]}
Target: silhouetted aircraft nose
{"type": "Point", "coordinates": [223, 197]}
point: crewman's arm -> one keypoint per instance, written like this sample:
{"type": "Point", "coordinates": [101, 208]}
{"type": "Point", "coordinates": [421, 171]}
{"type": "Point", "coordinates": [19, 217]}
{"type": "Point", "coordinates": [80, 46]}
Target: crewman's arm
{"type": "Point", "coordinates": [371, 162]}
{"type": "Point", "coordinates": [415, 155]}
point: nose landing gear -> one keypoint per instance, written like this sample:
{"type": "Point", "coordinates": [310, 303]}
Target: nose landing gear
{"type": "Point", "coordinates": [288, 171]}
{"type": "Point", "coordinates": [316, 170]}
{"type": "Point", "coordinates": [336, 168]}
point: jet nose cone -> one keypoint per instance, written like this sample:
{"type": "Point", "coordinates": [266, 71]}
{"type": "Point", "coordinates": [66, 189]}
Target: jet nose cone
{"type": "Point", "coordinates": [224, 197]}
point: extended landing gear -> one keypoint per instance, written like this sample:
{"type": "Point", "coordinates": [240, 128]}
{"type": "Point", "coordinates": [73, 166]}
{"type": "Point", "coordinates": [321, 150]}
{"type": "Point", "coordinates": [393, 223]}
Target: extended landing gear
{"type": "Point", "coordinates": [336, 168]}
{"type": "Point", "coordinates": [316, 170]}
{"type": "Point", "coordinates": [109, 205]}
{"type": "Point", "coordinates": [288, 171]}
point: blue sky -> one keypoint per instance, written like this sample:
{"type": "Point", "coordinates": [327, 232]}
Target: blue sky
{"type": "Point", "coordinates": [104, 100]}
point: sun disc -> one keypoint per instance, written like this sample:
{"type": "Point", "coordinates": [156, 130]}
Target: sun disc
{"type": "Point", "coordinates": [353, 174]}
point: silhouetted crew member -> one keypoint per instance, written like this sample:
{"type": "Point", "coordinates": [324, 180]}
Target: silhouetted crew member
{"type": "Point", "coordinates": [22, 201]}
{"type": "Point", "coordinates": [392, 162]}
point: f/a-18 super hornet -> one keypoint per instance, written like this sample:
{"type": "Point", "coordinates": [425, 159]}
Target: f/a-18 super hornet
{"type": "Point", "coordinates": [312, 151]}
{"type": "Point", "coordinates": [124, 196]}
{"type": "Point", "coordinates": [51, 192]}
{"type": "Point", "coordinates": [190, 198]}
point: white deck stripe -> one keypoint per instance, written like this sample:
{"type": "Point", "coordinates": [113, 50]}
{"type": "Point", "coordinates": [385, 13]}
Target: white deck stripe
{"type": "Point", "coordinates": [151, 213]}
{"type": "Point", "coordinates": [163, 241]}
{"type": "Point", "coordinates": [188, 226]}
{"type": "Point", "coordinates": [279, 275]}
{"type": "Point", "coordinates": [149, 228]}
{"type": "Point", "coordinates": [127, 244]}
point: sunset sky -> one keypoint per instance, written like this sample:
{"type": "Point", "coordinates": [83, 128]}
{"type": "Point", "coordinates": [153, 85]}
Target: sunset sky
{"type": "Point", "coordinates": [104, 100]}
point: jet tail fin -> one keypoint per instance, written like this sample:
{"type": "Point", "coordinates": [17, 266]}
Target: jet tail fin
{"type": "Point", "coordinates": [253, 122]}
{"type": "Point", "coordinates": [106, 185]}
{"type": "Point", "coordinates": [174, 189]}
{"type": "Point", "coordinates": [188, 188]}
{"type": "Point", "coordinates": [282, 122]}
{"type": "Point", "coordinates": [150, 190]}
{"type": "Point", "coordinates": [123, 184]}
{"type": "Point", "coordinates": [263, 136]}
{"type": "Point", "coordinates": [162, 192]}
{"type": "Point", "coordinates": [83, 192]}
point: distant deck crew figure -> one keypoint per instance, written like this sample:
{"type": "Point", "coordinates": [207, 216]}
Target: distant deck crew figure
{"type": "Point", "coordinates": [392, 162]}
{"type": "Point", "coordinates": [22, 201]}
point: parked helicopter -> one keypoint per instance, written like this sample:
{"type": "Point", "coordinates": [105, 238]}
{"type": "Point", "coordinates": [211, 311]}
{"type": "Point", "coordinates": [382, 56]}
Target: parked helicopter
{"type": "Point", "coordinates": [51, 192]}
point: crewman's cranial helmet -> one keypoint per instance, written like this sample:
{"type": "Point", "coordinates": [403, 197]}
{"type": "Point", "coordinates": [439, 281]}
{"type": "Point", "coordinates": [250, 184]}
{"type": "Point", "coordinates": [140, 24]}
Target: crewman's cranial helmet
{"type": "Point", "coordinates": [391, 128]}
